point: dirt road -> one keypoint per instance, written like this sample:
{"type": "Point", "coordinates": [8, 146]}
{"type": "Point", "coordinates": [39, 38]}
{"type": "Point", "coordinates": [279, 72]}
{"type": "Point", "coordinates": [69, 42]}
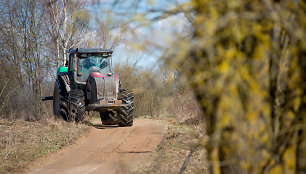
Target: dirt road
{"type": "Point", "coordinates": [107, 149]}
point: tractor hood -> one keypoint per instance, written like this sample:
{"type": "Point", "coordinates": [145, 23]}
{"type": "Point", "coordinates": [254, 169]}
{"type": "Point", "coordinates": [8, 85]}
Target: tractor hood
{"type": "Point", "coordinates": [102, 87]}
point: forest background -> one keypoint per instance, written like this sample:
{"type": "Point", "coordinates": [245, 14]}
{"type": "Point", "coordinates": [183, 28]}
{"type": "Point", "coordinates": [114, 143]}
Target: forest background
{"type": "Point", "coordinates": [243, 61]}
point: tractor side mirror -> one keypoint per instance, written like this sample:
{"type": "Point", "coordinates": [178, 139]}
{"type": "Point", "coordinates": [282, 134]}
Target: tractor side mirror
{"type": "Point", "coordinates": [74, 64]}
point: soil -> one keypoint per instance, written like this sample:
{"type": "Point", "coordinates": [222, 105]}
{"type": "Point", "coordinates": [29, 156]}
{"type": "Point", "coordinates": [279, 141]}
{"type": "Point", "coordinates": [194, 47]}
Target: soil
{"type": "Point", "coordinates": [106, 149]}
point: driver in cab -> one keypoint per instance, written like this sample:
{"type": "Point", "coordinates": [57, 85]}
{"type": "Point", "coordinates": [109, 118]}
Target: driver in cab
{"type": "Point", "coordinates": [88, 64]}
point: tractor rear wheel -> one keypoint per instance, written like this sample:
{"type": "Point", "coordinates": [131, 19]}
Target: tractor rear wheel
{"type": "Point", "coordinates": [125, 114]}
{"type": "Point", "coordinates": [60, 102]}
{"type": "Point", "coordinates": [108, 118]}
{"type": "Point", "coordinates": [76, 105]}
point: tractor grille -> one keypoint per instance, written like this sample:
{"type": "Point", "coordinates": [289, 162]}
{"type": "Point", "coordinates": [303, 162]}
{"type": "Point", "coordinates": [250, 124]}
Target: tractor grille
{"type": "Point", "coordinates": [106, 89]}
{"type": "Point", "coordinates": [110, 89]}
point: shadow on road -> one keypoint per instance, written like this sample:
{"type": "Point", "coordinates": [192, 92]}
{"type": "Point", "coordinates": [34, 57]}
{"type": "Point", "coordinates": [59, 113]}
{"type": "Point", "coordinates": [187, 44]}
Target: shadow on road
{"type": "Point", "coordinates": [100, 126]}
{"type": "Point", "coordinates": [136, 152]}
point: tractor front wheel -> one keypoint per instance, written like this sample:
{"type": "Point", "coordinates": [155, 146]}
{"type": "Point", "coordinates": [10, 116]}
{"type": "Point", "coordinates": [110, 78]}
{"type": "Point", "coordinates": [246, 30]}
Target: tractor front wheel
{"type": "Point", "coordinates": [125, 114]}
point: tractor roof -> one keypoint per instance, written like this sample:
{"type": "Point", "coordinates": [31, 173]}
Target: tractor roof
{"type": "Point", "coordinates": [89, 50]}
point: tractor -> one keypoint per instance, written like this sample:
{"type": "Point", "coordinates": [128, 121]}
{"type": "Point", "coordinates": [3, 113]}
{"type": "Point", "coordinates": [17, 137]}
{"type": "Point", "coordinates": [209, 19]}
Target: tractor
{"type": "Point", "coordinates": [87, 83]}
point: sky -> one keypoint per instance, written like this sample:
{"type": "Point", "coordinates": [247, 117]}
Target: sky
{"type": "Point", "coordinates": [142, 40]}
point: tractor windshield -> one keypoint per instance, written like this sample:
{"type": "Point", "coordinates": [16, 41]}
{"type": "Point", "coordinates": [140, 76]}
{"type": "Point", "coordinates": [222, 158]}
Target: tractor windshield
{"type": "Point", "coordinates": [88, 63]}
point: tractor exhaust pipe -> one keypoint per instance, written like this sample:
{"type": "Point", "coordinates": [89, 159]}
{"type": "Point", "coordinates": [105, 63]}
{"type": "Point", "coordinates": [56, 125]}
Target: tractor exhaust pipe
{"type": "Point", "coordinates": [47, 98]}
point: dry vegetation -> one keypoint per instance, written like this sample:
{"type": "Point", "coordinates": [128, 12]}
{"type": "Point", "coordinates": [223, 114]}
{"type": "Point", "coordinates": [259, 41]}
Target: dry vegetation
{"type": "Point", "coordinates": [23, 141]}
{"type": "Point", "coordinates": [34, 35]}
{"type": "Point", "coordinates": [174, 150]}
{"type": "Point", "coordinates": [170, 100]}
{"type": "Point", "coordinates": [32, 46]}
{"type": "Point", "coordinates": [244, 60]}
{"type": "Point", "coordinates": [184, 140]}
{"type": "Point", "coordinates": [148, 87]}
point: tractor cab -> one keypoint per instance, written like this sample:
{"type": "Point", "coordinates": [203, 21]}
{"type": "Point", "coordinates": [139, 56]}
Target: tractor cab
{"type": "Point", "coordinates": [85, 62]}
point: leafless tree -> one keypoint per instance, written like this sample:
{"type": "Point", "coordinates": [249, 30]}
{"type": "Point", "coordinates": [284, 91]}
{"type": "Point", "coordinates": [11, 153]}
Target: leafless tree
{"type": "Point", "coordinates": [21, 36]}
{"type": "Point", "coordinates": [66, 23]}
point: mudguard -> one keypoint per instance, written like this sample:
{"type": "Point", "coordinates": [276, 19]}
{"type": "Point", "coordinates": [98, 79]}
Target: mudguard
{"type": "Point", "coordinates": [65, 79]}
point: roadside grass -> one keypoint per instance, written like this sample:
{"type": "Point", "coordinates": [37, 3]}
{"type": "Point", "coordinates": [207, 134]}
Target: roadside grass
{"type": "Point", "coordinates": [185, 133]}
{"type": "Point", "coordinates": [171, 153]}
{"type": "Point", "coordinates": [23, 141]}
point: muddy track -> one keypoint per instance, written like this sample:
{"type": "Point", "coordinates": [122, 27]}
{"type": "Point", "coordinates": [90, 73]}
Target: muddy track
{"type": "Point", "coordinates": [107, 149]}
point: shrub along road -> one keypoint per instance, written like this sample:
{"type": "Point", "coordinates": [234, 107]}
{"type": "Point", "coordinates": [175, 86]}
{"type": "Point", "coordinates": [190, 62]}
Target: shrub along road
{"type": "Point", "coordinates": [106, 149]}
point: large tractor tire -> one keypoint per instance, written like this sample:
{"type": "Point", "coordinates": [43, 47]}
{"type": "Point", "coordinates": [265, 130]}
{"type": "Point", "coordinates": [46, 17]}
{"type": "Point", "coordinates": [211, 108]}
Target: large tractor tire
{"type": "Point", "coordinates": [108, 118]}
{"type": "Point", "coordinates": [125, 114]}
{"type": "Point", "coordinates": [76, 107]}
{"type": "Point", "coordinates": [60, 101]}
